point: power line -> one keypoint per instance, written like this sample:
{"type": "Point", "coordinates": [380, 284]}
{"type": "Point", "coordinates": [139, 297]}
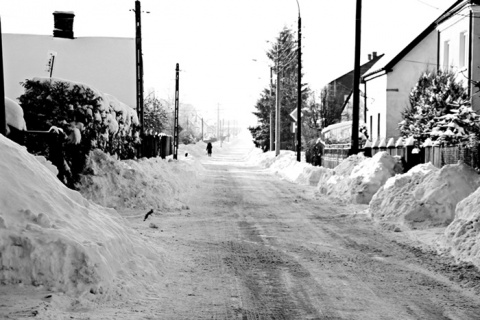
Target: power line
{"type": "Point", "coordinates": [427, 4]}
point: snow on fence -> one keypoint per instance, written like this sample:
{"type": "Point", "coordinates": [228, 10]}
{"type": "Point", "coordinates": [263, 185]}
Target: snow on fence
{"type": "Point", "coordinates": [439, 156]}
{"type": "Point", "coordinates": [333, 154]}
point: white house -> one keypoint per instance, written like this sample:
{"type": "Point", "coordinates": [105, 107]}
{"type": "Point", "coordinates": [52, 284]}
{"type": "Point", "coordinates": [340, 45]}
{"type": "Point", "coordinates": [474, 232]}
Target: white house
{"type": "Point", "coordinates": [448, 42]}
{"type": "Point", "coordinates": [105, 63]}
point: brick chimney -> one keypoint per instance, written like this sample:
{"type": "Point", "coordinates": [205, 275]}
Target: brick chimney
{"type": "Point", "coordinates": [369, 57]}
{"type": "Point", "coordinates": [63, 24]}
{"type": "Point", "coordinates": [374, 54]}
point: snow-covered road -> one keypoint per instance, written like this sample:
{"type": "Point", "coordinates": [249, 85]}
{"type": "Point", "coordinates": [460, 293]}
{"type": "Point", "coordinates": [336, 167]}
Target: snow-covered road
{"type": "Point", "coordinates": [252, 246]}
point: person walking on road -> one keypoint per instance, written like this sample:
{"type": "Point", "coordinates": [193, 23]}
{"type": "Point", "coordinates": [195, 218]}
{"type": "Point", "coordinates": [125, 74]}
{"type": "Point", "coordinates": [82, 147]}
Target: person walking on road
{"type": "Point", "coordinates": [209, 149]}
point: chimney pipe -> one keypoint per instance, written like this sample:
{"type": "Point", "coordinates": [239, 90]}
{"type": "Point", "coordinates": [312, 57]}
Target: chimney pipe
{"type": "Point", "coordinates": [374, 54]}
{"type": "Point", "coordinates": [63, 24]}
{"type": "Point", "coordinates": [369, 57]}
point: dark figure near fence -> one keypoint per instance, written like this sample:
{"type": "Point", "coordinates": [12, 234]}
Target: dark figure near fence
{"type": "Point", "coordinates": [209, 149]}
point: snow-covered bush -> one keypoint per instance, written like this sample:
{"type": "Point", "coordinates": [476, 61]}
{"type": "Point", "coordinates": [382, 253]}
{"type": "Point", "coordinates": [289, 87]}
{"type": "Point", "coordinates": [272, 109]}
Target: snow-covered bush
{"type": "Point", "coordinates": [440, 109]}
{"type": "Point", "coordinates": [89, 119]}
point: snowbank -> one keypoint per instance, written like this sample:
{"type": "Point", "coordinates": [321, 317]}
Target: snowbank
{"type": "Point", "coordinates": [424, 197]}
{"type": "Point", "coordinates": [357, 178]}
{"type": "Point", "coordinates": [52, 236]}
{"type": "Point", "coordinates": [397, 195]}
{"type": "Point", "coordinates": [146, 184]}
{"type": "Point", "coordinates": [286, 166]}
{"type": "Point", "coordinates": [462, 236]}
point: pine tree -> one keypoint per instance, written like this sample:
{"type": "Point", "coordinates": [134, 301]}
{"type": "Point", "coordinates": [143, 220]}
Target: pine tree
{"type": "Point", "coordinates": [440, 110]}
{"type": "Point", "coordinates": [283, 55]}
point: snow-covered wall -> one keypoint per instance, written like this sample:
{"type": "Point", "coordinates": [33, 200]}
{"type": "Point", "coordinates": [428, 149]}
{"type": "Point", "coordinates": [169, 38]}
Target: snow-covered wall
{"type": "Point", "coordinates": [107, 64]}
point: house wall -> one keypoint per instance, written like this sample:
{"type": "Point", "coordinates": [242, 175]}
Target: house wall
{"type": "Point", "coordinates": [107, 64]}
{"type": "Point", "coordinates": [404, 76]}
{"type": "Point", "coordinates": [454, 45]}
{"type": "Point", "coordinates": [376, 105]}
{"type": "Point", "coordinates": [462, 58]}
{"type": "Point", "coordinates": [475, 59]}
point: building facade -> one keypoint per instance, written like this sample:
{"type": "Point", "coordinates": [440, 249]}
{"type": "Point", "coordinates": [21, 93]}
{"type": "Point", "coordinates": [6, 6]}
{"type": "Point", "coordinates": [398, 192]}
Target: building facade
{"type": "Point", "coordinates": [105, 63]}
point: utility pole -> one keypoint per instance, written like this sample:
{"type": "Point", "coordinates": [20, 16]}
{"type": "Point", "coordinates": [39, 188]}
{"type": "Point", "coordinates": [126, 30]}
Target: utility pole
{"type": "Point", "coordinates": [3, 117]}
{"type": "Point", "coordinates": [202, 129]}
{"type": "Point", "coordinates": [299, 88]}
{"type": "Point", "coordinates": [356, 80]}
{"type": "Point", "coordinates": [271, 110]}
{"type": "Point", "coordinates": [277, 122]}
{"type": "Point", "coordinates": [139, 63]}
{"type": "Point", "coordinates": [175, 129]}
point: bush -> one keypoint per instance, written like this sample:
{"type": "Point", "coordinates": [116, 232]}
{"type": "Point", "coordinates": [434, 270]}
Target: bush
{"type": "Point", "coordinates": [88, 118]}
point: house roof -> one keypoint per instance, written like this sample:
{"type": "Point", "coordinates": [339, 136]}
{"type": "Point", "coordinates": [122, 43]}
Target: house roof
{"type": "Point", "coordinates": [451, 11]}
{"type": "Point", "coordinates": [346, 80]}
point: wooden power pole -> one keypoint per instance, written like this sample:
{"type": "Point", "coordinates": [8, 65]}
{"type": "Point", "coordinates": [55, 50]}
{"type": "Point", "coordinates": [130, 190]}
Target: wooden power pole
{"type": "Point", "coordinates": [356, 80]}
{"type": "Point", "coordinates": [175, 129]}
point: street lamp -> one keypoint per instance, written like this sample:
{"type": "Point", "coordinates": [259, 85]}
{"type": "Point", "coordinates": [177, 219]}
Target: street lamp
{"type": "Point", "coordinates": [299, 88]}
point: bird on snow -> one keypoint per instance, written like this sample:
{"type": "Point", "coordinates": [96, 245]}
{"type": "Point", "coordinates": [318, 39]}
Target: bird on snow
{"type": "Point", "coordinates": [148, 214]}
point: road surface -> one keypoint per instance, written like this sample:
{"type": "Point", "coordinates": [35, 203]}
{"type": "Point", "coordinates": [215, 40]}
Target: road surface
{"type": "Point", "coordinates": [253, 246]}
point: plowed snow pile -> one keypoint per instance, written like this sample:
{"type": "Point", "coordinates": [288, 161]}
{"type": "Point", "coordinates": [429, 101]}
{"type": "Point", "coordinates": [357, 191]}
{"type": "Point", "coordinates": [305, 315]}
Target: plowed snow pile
{"type": "Point", "coordinates": [54, 237]}
{"type": "Point", "coordinates": [424, 197]}
{"type": "Point", "coordinates": [462, 236]}
{"type": "Point", "coordinates": [286, 166]}
{"type": "Point", "coordinates": [358, 178]}
{"type": "Point", "coordinates": [144, 184]}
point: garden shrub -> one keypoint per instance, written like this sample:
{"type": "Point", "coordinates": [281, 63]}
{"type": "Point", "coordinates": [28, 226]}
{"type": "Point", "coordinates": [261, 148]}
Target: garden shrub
{"type": "Point", "coordinates": [88, 119]}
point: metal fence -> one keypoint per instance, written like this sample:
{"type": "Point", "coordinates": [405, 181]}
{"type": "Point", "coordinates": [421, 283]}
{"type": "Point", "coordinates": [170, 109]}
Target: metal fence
{"type": "Point", "coordinates": [156, 146]}
{"type": "Point", "coordinates": [439, 156]}
{"type": "Point", "coordinates": [334, 154]}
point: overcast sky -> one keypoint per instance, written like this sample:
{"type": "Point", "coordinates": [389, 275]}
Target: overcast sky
{"type": "Point", "coordinates": [215, 41]}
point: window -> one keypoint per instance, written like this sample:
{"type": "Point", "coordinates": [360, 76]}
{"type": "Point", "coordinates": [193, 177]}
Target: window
{"type": "Point", "coordinates": [462, 59]}
{"type": "Point", "coordinates": [371, 128]}
{"type": "Point", "coordinates": [378, 126]}
{"type": "Point", "coordinates": [446, 55]}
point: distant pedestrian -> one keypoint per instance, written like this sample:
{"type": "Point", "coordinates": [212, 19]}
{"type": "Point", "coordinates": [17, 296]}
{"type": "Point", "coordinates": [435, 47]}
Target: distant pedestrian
{"type": "Point", "coordinates": [209, 149]}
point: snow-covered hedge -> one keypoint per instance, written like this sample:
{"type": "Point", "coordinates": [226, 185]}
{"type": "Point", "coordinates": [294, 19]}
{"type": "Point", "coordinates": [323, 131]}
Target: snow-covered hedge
{"type": "Point", "coordinates": [89, 118]}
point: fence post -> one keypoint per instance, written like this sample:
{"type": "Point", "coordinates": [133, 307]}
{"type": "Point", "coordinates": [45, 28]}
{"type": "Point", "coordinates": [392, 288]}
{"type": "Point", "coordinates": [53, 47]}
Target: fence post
{"type": "Point", "coordinates": [367, 149]}
{"type": "Point", "coordinates": [375, 146]}
{"type": "Point", "coordinates": [391, 147]}
{"type": "Point", "coordinates": [382, 146]}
